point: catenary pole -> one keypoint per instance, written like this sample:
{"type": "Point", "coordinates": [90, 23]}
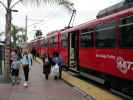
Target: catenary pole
{"type": "Point", "coordinates": [26, 28]}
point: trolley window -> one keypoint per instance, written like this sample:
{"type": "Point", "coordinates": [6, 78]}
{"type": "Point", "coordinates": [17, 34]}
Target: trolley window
{"type": "Point", "coordinates": [126, 32]}
{"type": "Point", "coordinates": [41, 43]}
{"type": "Point", "coordinates": [86, 38]}
{"type": "Point", "coordinates": [64, 40]}
{"type": "Point", "coordinates": [105, 35]}
{"type": "Point", "coordinates": [53, 41]}
{"type": "Point", "coordinates": [45, 43]}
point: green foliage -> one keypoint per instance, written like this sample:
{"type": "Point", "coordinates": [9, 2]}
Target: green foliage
{"type": "Point", "coordinates": [38, 33]}
{"type": "Point", "coordinates": [14, 33]}
{"type": "Point", "coordinates": [65, 3]}
{"type": "Point", "coordinates": [1, 33]}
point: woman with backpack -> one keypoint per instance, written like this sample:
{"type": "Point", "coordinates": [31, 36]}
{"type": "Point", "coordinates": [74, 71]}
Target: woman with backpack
{"type": "Point", "coordinates": [25, 64]}
{"type": "Point", "coordinates": [46, 65]}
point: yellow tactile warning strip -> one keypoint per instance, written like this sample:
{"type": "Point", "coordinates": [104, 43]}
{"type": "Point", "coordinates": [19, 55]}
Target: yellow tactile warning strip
{"type": "Point", "coordinates": [92, 90]}
{"type": "Point", "coordinates": [39, 60]}
{"type": "Point", "coordinates": [95, 92]}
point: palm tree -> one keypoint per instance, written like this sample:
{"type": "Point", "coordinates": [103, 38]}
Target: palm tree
{"type": "Point", "coordinates": [65, 3]}
{"type": "Point", "coordinates": [1, 33]}
{"type": "Point", "coordinates": [14, 31]}
{"type": "Point", "coordinates": [8, 9]}
{"type": "Point", "coordinates": [38, 33]}
{"type": "Point", "coordinates": [14, 35]}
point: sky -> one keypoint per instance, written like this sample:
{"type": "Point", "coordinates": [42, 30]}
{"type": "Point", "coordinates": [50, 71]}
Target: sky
{"type": "Point", "coordinates": [50, 18]}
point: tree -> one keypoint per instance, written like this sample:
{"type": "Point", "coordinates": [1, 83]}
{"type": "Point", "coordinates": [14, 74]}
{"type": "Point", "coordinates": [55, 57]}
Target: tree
{"type": "Point", "coordinates": [38, 33]}
{"type": "Point", "coordinates": [14, 31]}
{"type": "Point", "coordinates": [14, 34]}
{"type": "Point", "coordinates": [128, 1]}
{"type": "Point", "coordinates": [9, 9]}
{"type": "Point", "coordinates": [1, 33]}
{"type": "Point", "coordinates": [65, 3]}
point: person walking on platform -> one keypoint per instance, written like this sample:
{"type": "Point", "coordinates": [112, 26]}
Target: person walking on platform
{"type": "Point", "coordinates": [15, 65]}
{"type": "Point", "coordinates": [58, 60]}
{"type": "Point", "coordinates": [34, 53]}
{"type": "Point", "coordinates": [46, 65]}
{"type": "Point", "coordinates": [25, 65]}
{"type": "Point", "coordinates": [30, 59]}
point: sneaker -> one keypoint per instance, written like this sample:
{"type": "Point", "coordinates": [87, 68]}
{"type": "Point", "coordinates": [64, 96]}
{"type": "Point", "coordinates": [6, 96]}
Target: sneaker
{"type": "Point", "coordinates": [46, 77]}
{"type": "Point", "coordinates": [25, 84]}
{"type": "Point", "coordinates": [55, 77]}
{"type": "Point", "coordinates": [60, 77]}
{"type": "Point", "coordinates": [13, 82]}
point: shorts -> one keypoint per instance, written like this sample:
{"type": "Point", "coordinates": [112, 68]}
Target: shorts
{"type": "Point", "coordinates": [15, 72]}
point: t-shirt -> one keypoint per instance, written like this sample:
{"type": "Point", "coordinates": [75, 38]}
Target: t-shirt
{"type": "Point", "coordinates": [15, 64]}
{"type": "Point", "coordinates": [25, 60]}
{"type": "Point", "coordinates": [58, 60]}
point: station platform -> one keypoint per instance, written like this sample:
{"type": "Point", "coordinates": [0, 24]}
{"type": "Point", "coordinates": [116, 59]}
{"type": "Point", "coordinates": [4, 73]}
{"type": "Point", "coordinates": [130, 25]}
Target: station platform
{"type": "Point", "coordinates": [39, 88]}
{"type": "Point", "coordinates": [89, 91]}
{"type": "Point", "coordinates": [69, 88]}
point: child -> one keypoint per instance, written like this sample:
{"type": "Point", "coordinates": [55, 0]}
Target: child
{"type": "Point", "coordinates": [15, 65]}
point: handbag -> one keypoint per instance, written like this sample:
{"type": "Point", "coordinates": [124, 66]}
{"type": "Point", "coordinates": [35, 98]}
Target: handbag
{"type": "Point", "coordinates": [55, 70]}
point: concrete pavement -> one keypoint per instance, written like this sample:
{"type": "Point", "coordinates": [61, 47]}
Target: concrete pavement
{"type": "Point", "coordinates": [39, 88]}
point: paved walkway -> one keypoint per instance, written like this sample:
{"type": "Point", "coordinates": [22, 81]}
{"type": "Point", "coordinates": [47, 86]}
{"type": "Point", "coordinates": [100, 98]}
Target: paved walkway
{"type": "Point", "coordinates": [39, 88]}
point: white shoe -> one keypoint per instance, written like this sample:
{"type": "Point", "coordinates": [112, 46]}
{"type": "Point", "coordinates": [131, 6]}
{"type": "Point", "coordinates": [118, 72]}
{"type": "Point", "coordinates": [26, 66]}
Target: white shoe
{"type": "Point", "coordinates": [25, 84]}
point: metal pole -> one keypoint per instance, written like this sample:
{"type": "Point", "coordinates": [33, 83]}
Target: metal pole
{"type": "Point", "coordinates": [26, 28]}
{"type": "Point", "coordinates": [72, 18]}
